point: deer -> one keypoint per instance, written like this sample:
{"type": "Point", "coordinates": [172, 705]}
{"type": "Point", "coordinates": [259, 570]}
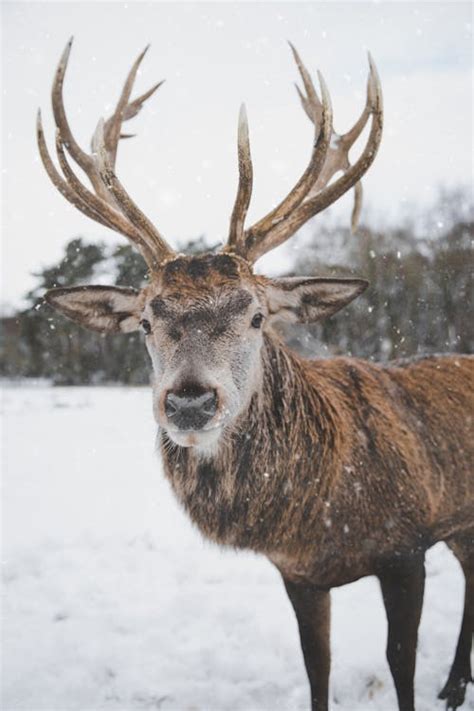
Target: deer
{"type": "Point", "coordinates": [333, 469]}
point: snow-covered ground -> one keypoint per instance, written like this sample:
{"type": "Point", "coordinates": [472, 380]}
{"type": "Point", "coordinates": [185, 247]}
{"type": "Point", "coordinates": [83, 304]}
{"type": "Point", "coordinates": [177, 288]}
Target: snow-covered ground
{"type": "Point", "coordinates": [113, 601]}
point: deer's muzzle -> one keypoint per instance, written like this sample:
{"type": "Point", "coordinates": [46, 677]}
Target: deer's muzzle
{"type": "Point", "coordinates": [190, 408]}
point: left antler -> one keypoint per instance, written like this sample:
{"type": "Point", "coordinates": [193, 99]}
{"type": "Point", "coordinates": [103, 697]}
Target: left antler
{"type": "Point", "coordinates": [108, 203]}
{"type": "Point", "coordinates": [312, 193]}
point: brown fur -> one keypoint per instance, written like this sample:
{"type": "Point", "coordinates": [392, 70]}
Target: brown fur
{"type": "Point", "coordinates": [337, 465]}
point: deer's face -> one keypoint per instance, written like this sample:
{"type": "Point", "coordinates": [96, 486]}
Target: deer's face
{"type": "Point", "coordinates": [203, 323]}
{"type": "Point", "coordinates": [204, 319]}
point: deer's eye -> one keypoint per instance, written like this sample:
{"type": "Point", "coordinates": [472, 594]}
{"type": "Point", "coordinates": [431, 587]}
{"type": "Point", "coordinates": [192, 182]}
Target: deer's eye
{"type": "Point", "coordinates": [256, 322]}
{"type": "Point", "coordinates": [146, 326]}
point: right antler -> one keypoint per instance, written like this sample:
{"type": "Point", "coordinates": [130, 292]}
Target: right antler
{"type": "Point", "coordinates": [312, 193]}
{"type": "Point", "coordinates": [109, 204]}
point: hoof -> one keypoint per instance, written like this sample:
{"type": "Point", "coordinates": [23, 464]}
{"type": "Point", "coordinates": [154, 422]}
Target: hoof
{"type": "Point", "coordinates": [454, 692]}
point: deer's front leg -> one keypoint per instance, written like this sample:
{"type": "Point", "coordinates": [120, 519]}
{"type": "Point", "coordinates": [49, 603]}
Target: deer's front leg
{"type": "Point", "coordinates": [403, 586]}
{"type": "Point", "coordinates": [312, 608]}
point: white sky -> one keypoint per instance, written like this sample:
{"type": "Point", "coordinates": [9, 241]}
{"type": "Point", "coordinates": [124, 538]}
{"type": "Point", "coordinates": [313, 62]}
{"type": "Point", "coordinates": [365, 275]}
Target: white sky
{"type": "Point", "coordinates": [182, 167]}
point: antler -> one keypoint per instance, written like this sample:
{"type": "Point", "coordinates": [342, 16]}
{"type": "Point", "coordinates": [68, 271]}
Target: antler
{"type": "Point", "coordinates": [312, 193]}
{"type": "Point", "coordinates": [108, 203]}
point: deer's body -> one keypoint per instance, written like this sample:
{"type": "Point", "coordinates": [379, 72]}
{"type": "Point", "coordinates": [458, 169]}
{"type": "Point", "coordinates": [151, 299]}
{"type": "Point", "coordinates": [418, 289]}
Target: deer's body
{"type": "Point", "coordinates": [337, 465]}
{"type": "Point", "coordinates": [333, 469]}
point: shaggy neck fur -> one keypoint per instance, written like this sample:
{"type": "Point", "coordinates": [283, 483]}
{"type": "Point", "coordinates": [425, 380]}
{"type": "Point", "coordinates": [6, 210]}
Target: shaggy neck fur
{"type": "Point", "coordinates": [244, 495]}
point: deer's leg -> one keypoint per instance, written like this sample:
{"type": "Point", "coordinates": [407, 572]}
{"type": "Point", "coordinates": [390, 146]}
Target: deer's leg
{"type": "Point", "coordinates": [460, 675]}
{"type": "Point", "coordinates": [402, 586]}
{"type": "Point", "coordinates": [312, 608]}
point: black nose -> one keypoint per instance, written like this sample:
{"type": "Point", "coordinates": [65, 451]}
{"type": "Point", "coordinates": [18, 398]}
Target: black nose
{"type": "Point", "coordinates": [190, 408]}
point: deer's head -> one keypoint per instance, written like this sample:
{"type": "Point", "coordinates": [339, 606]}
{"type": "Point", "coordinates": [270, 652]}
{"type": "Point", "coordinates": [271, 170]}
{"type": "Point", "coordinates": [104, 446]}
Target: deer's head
{"type": "Point", "coordinates": [204, 317]}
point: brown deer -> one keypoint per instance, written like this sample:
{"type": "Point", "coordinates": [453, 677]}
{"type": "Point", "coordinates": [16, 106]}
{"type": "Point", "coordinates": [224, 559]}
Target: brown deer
{"type": "Point", "coordinates": [333, 469]}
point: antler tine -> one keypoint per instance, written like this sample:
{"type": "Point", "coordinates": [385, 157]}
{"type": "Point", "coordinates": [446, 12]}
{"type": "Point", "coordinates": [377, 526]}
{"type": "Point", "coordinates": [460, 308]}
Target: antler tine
{"type": "Point", "coordinates": [244, 192]}
{"type": "Point", "coordinates": [83, 159]}
{"type": "Point", "coordinates": [318, 202]}
{"type": "Point", "coordinates": [351, 136]}
{"type": "Point", "coordinates": [135, 106]}
{"type": "Point", "coordinates": [311, 102]}
{"type": "Point", "coordinates": [357, 206]}
{"type": "Point", "coordinates": [132, 211]}
{"type": "Point", "coordinates": [59, 112]}
{"type": "Point", "coordinates": [125, 109]}
{"type": "Point", "coordinates": [114, 124]}
{"type": "Point", "coordinates": [255, 234]}
{"type": "Point", "coordinates": [338, 154]}
{"type": "Point", "coordinates": [305, 103]}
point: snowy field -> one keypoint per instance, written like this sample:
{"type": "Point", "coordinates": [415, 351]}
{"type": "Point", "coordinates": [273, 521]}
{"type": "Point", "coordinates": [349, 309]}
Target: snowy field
{"type": "Point", "coordinates": [113, 601]}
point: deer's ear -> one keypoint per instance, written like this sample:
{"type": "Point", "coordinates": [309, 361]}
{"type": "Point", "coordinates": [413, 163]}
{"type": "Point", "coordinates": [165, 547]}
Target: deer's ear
{"type": "Point", "coordinates": [107, 309]}
{"type": "Point", "coordinates": [306, 300]}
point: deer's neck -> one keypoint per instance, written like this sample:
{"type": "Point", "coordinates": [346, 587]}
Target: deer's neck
{"type": "Point", "coordinates": [272, 471]}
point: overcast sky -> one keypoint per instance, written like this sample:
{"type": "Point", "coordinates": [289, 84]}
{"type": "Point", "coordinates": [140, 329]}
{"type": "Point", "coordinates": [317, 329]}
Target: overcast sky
{"type": "Point", "coordinates": [182, 167]}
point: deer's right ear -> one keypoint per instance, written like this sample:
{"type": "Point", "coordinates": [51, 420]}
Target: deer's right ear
{"type": "Point", "coordinates": [107, 309]}
{"type": "Point", "coordinates": [310, 299]}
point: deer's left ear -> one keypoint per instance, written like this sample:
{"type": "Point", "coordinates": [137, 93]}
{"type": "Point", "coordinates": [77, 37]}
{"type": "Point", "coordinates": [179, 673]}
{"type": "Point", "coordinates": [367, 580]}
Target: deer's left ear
{"type": "Point", "coordinates": [107, 309]}
{"type": "Point", "coordinates": [306, 300]}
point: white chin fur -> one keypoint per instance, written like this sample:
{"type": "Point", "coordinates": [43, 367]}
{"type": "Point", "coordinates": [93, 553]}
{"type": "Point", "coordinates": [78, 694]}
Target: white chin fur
{"type": "Point", "coordinates": [204, 441]}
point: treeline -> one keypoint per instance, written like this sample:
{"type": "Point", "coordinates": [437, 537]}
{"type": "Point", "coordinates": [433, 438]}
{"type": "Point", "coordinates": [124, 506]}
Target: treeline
{"type": "Point", "coordinates": [419, 301]}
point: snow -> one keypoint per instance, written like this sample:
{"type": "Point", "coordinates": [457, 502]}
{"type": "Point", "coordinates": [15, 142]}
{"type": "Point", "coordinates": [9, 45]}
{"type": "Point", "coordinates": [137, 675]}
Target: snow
{"type": "Point", "coordinates": [113, 601]}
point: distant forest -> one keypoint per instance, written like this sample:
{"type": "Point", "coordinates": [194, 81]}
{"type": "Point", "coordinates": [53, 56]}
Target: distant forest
{"type": "Point", "coordinates": [420, 299]}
